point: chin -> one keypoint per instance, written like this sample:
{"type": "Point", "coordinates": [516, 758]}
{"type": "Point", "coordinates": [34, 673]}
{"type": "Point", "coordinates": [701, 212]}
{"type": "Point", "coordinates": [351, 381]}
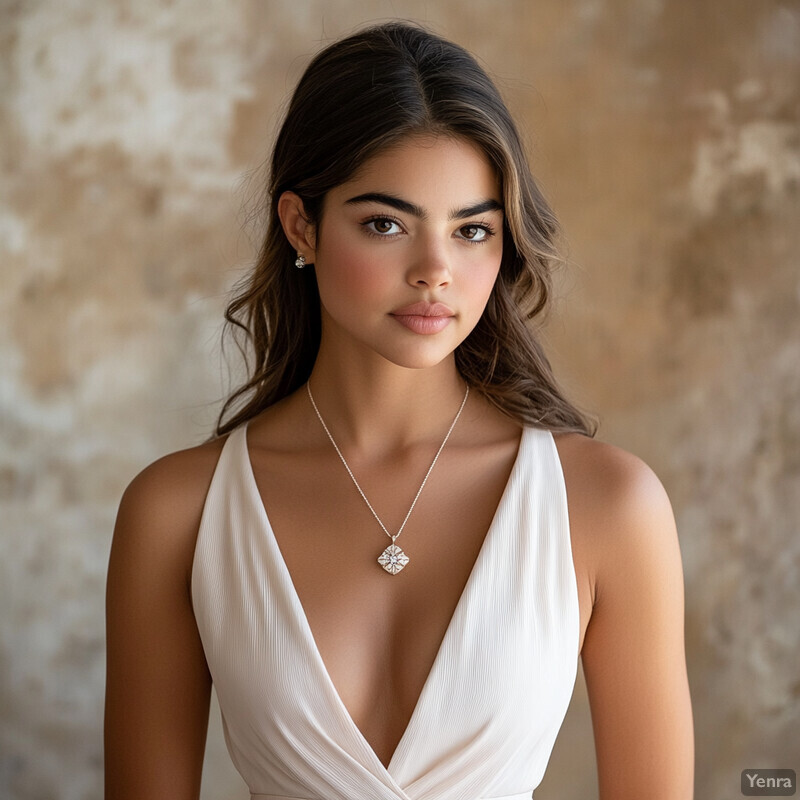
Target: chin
{"type": "Point", "coordinates": [418, 358]}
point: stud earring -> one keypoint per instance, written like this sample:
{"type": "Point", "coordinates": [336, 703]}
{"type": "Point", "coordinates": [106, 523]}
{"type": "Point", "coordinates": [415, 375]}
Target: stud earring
{"type": "Point", "coordinates": [300, 261]}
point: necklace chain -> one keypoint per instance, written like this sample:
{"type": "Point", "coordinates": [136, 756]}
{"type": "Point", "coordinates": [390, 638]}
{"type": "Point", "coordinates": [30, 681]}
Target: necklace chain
{"type": "Point", "coordinates": [353, 477]}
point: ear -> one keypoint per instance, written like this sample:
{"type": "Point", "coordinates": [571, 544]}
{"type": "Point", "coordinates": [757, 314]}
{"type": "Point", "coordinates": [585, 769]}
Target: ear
{"type": "Point", "coordinates": [298, 228]}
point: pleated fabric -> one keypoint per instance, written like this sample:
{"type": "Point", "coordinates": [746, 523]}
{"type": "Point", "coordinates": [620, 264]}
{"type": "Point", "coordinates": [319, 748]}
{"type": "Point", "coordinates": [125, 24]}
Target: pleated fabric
{"type": "Point", "coordinates": [494, 700]}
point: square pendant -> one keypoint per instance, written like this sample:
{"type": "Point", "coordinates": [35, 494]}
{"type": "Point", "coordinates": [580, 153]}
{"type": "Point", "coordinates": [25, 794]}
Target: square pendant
{"type": "Point", "coordinates": [393, 559]}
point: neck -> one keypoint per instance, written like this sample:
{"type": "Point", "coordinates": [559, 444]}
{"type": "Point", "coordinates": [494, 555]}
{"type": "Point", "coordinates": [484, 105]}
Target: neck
{"type": "Point", "coordinates": [385, 407]}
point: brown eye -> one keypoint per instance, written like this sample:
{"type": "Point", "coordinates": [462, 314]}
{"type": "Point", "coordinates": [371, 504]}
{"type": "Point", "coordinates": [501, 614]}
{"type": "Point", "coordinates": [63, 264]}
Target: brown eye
{"type": "Point", "coordinates": [475, 233]}
{"type": "Point", "coordinates": [383, 225]}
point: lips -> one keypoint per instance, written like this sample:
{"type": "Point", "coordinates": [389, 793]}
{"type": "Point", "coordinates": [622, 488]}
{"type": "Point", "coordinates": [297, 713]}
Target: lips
{"type": "Point", "coordinates": [424, 318]}
{"type": "Point", "coordinates": [423, 309]}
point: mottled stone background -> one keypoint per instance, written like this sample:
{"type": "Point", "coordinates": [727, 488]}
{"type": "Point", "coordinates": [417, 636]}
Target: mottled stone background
{"type": "Point", "coordinates": [666, 135]}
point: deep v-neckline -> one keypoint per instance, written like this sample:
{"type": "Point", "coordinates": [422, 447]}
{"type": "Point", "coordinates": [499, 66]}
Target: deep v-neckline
{"type": "Point", "coordinates": [311, 642]}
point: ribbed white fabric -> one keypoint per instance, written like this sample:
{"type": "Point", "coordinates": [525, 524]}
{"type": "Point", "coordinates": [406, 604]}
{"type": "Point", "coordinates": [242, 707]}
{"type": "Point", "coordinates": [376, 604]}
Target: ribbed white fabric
{"type": "Point", "coordinates": [494, 700]}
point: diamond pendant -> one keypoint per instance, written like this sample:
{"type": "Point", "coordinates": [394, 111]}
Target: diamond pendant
{"type": "Point", "coordinates": [393, 559]}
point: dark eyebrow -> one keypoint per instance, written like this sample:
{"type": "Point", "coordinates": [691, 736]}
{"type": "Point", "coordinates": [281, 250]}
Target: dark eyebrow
{"type": "Point", "coordinates": [478, 208]}
{"type": "Point", "coordinates": [420, 213]}
{"type": "Point", "coordinates": [389, 200]}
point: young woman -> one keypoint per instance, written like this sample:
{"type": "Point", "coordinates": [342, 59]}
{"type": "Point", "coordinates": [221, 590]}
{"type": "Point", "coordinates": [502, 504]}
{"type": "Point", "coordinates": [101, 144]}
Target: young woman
{"type": "Point", "coordinates": [403, 536]}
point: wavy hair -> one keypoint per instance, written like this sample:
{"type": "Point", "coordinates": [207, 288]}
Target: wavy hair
{"type": "Point", "coordinates": [357, 97]}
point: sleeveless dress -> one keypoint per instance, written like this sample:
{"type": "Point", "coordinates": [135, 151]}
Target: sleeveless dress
{"type": "Point", "coordinates": [487, 718]}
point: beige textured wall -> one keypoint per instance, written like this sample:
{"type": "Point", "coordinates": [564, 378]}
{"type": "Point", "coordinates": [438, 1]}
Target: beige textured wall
{"type": "Point", "coordinates": [667, 135]}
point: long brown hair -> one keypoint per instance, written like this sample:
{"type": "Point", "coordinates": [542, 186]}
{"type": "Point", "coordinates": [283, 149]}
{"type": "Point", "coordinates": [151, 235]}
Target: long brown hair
{"type": "Point", "coordinates": [357, 97]}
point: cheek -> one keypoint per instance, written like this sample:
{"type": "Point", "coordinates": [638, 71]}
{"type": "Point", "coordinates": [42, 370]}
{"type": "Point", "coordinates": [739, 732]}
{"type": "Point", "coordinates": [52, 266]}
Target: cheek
{"type": "Point", "coordinates": [483, 280]}
{"type": "Point", "coordinates": [347, 271]}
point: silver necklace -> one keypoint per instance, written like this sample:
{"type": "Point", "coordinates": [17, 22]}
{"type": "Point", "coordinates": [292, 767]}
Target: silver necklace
{"type": "Point", "coordinates": [392, 559]}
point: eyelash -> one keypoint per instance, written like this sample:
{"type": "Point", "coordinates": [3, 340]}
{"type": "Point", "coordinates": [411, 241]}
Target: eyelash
{"type": "Point", "coordinates": [490, 232]}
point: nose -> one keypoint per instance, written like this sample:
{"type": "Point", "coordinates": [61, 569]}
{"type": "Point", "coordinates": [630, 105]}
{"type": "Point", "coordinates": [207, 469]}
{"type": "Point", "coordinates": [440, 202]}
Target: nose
{"type": "Point", "coordinates": [431, 267]}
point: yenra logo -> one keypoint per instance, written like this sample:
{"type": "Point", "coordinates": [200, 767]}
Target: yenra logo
{"type": "Point", "coordinates": [769, 782]}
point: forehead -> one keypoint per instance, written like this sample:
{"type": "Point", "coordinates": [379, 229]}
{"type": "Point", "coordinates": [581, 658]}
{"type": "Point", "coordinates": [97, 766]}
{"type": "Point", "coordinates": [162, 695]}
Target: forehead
{"type": "Point", "coordinates": [431, 171]}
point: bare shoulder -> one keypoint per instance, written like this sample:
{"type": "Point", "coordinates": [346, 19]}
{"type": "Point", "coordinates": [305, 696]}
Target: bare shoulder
{"type": "Point", "coordinates": [185, 472]}
{"type": "Point", "coordinates": [163, 504]}
{"type": "Point", "coordinates": [601, 467]}
{"type": "Point", "coordinates": [614, 488]}
{"type": "Point", "coordinates": [620, 513]}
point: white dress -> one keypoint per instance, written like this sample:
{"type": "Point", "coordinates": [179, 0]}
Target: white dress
{"type": "Point", "coordinates": [490, 709]}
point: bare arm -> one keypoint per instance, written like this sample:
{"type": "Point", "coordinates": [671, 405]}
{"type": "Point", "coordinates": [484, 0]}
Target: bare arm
{"type": "Point", "coordinates": [633, 654]}
{"type": "Point", "coordinates": [157, 683]}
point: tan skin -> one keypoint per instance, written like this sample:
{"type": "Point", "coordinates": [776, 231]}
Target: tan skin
{"type": "Point", "coordinates": [388, 395]}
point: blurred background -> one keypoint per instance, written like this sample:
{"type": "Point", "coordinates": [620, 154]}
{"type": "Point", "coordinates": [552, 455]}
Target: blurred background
{"type": "Point", "coordinates": [665, 134]}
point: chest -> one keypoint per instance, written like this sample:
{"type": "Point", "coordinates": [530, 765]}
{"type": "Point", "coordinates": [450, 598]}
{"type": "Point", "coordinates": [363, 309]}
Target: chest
{"type": "Point", "coordinates": [378, 634]}
{"type": "Point", "coordinates": [472, 655]}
